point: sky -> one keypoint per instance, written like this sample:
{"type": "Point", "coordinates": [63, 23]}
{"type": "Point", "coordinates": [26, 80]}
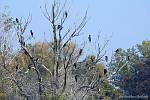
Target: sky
{"type": "Point", "coordinates": [124, 22]}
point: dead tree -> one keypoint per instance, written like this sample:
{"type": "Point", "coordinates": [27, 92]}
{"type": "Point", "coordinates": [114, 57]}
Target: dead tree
{"type": "Point", "coordinates": [61, 41]}
{"type": "Point", "coordinates": [21, 28]}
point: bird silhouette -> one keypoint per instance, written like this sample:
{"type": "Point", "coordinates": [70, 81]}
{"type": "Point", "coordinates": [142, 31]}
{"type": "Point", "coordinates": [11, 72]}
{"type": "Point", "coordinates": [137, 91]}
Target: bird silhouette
{"type": "Point", "coordinates": [76, 78]}
{"type": "Point", "coordinates": [23, 43]}
{"type": "Point", "coordinates": [29, 66]}
{"type": "Point", "coordinates": [117, 51]}
{"type": "Point", "coordinates": [106, 58]}
{"type": "Point", "coordinates": [31, 32]}
{"type": "Point", "coordinates": [17, 20]}
{"type": "Point", "coordinates": [36, 59]}
{"type": "Point", "coordinates": [128, 58]}
{"type": "Point", "coordinates": [75, 65]}
{"type": "Point", "coordinates": [59, 27]}
{"type": "Point", "coordinates": [66, 14]}
{"type": "Point", "coordinates": [105, 71]}
{"type": "Point", "coordinates": [80, 52]}
{"type": "Point", "coordinates": [16, 68]}
{"type": "Point", "coordinates": [89, 38]}
{"type": "Point", "coordinates": [4, 46]}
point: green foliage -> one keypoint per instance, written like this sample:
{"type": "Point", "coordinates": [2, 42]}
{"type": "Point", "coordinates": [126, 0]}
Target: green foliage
{"type": "Point", "coordinates": [56, 97]}
{"type": "Point", "coordinates": [110, 90]}
{"type": "Point", "coordinates": [3, 95]}
{"type": "Point", "coordinates": [101, 69]}
{"type": "Point", "coordinates": [144, 49]}
{"type": "Point", "coordinates": [133, 78]}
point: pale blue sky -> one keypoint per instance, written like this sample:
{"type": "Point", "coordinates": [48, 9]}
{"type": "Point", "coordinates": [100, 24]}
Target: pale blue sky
{"type": "Point", "coordinates": [128, 21]}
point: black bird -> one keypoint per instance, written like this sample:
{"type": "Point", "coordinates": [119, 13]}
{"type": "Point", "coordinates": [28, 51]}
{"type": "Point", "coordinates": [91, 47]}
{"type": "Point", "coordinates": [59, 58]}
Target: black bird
{"type": "Point", "coordinates": [76, 78]}
{"type": "Point", "coordinates": [105, 71]}
{"type": "Point", "coordinates": [36, 59]}
{"type": "Point", "coordinates": [89, 38]}
{"type": "Point", "coordinates": [24, 44]}
{"type": "Point", "coordinates": [31, 32]}
{"type": "Point", "coordinates": [80, 52]}
{"type": "Point", "coordinates": [117, 51]}
{"type": "Point", "coordinates": [75, 65]}
{"type": "Point", "coordinates": [106, 58]}
{"type": "Point", "coordinates": [66, 14]}
{"type": "Point", "coordinates": [16, 68]}
{"type": "Point", "coordinates": [128, 58]}
{"type": "Point", "coordinates": [4, 46]}
{"type": "Point", "coordinates": [17, 20]}
{"type": "Point", "coordinates": [59, 27]}
{"type": "Point", "coordinates": [106, 93]}
{"type": "Point", "coordinates": [29, 66]}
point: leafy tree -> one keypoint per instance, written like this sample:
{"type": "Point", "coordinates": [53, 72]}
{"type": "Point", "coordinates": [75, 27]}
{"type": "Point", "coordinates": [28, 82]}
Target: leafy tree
{"type": "Point", "coordinates": [130, 70]}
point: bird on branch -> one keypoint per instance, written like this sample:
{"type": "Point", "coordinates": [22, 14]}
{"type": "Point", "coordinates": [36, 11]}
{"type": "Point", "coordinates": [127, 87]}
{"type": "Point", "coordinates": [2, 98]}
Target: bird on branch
{"type": "Point", "coordinates": [66, 14]}
{"type": "Point", "coordinates": [24, 44]}
{"type": "Point", "coordinates": [17, 68]}
{"type": "Point", "coordinates": [89, 38]}
{"type": "Point", "coordinates": [29, 66]}
{"type": "Point", "coordinates": [105, 71]}
{"type": "Point", "coordinates": [128, 58]}
{"type": "Point", "coordinates": [106, 58]}
{"type": "Point", "coordinates": [4, 46]}
{"type": "Point", "coordinates": [76, 78]}
{"type": "Point", "coordinates": [117, 51]}
{"type": "Point", "coordinates": [80, 52]}
{"type": "Point", "coordinates": [59, 27]}
{"type": "Point", "coordinates": [31, 32]}
{"type": "Point", "coordinates": [17, 20]}
{"type": "Point", "coordinates": [75, 65]}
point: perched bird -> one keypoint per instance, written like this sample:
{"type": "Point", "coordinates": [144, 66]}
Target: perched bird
{"type": "Point", "coordinates": [17, 68]}
{"type": "Point", "coordinates": [59, 27]}
{"type": "Point", "coordinates": [17, 20]}
{"type": "Point", "coordinates": [36, 59]}
{"type": "Point", "coordinates": [89, 38]}
{"type": "Point", "coordinates": [117, 51]}
{"type": "Point", "coordinates": [76, 78]}
{"type": "Point", "coordinates": [128, 58]}
{"type": "Point", "coordinates": [75, 65]}
{"type": "Point", "coordinates": [105, 71]}
{"type": "Point", "coordinates": [31, 32]}
{"type": "Point", "coordinates": [80, 52]}
{"type": "Point", "coordinates": [106, 93]}
{"type": "Point", "coordinates": [24, 44]}
{"type": "Point", "coordinates": [66, 14]}
{"type": "Point", "coordinates": [29, 67]}
{"type": "Point", "coordinates": [4, 46]}
{"type": "Point", "coordinates": [106, 58]}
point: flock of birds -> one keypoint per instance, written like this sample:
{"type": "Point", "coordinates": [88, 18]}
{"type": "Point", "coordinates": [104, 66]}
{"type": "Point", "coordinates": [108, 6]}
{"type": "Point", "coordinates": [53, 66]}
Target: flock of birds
{"type": "Point", "coordinates": [59, 27]}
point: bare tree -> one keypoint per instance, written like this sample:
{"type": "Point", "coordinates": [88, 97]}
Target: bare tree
{"type": "Point", "coordinates": [68, 75]}
{"type": "Point", "coordinates": [65, 61]}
